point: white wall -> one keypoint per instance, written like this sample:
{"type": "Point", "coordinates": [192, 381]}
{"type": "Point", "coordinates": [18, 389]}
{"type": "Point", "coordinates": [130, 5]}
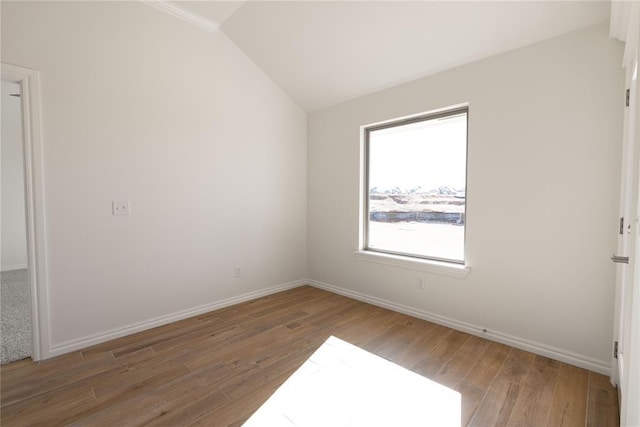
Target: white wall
{"type": "Point", "coordinates": [544, 156]}
{"type": "Point", "coordinates": [13, 246]}
{"type": "Point", "coordinates": [138, 105]}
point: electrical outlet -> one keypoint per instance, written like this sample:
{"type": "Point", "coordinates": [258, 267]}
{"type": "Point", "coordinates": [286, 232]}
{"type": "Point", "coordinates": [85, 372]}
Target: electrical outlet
{"type": "Point", "coordinates": [237, 272]}
{"type": "Point", "coordinates": [120, 208]}
{"type": "Point", "coordinates": [420, 284]}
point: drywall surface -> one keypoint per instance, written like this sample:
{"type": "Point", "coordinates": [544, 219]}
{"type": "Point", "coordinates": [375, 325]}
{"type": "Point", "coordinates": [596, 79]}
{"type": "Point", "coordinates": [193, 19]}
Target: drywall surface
{"type": "Point", "coordinates": [142, 107]}
{"type": "Point", "coordinates": [542, 194]}
{"type": "Point", "coordinates": [13, 246]}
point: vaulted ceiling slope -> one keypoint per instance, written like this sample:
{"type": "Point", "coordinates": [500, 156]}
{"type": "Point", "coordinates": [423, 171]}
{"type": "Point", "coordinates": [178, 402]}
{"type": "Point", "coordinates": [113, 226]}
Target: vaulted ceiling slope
{"type": "Point", "coordinates": [323, 53]}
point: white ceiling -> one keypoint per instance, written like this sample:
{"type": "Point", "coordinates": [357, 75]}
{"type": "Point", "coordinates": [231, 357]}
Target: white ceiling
{"type": "Point", "coordinates": [326, 52]}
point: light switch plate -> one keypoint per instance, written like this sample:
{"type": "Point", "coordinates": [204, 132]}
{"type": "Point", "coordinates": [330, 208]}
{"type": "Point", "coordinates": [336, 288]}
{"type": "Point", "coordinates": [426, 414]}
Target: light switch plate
{"type": "Point", "coordinates": [121, 208]}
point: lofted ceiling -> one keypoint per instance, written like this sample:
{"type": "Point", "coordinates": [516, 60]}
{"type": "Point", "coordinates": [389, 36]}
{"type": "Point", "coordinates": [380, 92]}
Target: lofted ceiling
{"type": "Point", "coordinates": [215, 11]}
{"type": "Point", "coordinates": [323, 53]}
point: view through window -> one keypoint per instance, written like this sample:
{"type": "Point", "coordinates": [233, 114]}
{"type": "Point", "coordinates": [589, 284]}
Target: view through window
{"type": "Point", "coordinates": [416, 186]}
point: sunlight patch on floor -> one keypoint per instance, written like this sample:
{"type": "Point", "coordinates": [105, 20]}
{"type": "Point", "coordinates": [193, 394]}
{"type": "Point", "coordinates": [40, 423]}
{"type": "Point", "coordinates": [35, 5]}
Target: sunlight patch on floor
{"type": "Point", "coordinates": [343, 385]}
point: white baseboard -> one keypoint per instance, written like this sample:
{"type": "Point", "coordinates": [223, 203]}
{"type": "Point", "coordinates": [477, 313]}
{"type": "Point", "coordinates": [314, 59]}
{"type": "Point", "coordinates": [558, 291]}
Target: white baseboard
{"type": "Point", "coordinates": [84, 342]}
{"type": "Point", "coordinates": [517, 342]}
{"type": "Point", "coordinates": [521, 343]}
{"type": "Point", "coordinates": [13, 267]}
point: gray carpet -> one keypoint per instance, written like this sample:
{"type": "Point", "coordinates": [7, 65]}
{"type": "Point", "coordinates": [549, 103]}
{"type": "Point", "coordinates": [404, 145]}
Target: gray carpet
{"type": "Point", "coordinates": [15, 316]}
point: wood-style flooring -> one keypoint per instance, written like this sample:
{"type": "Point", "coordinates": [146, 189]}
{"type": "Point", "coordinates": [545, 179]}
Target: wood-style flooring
{"type": "Point", "coordinates": [216, 369]}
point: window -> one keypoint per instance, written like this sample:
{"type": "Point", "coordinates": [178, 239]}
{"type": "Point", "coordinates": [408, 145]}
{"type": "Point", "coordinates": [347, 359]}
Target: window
{"type": "Point", "coordinates": [415, 186]}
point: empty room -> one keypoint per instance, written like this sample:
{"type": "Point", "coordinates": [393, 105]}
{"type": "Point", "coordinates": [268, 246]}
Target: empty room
{"type": "Point", "coordinates": [320, 213]}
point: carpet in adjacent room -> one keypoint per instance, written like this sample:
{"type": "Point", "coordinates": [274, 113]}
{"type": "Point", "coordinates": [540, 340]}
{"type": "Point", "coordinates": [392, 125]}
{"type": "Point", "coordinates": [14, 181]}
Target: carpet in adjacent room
{"type": "Point", "coordinates": [15, 316]}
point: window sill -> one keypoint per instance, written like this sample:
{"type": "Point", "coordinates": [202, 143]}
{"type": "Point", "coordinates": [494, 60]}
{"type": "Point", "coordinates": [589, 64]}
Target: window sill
{"type": "Point", "coordinates": [428, 266]}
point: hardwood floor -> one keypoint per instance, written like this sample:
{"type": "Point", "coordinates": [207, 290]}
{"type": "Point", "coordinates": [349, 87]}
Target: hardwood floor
{"type": "Point", "coordinates": [218, 368]}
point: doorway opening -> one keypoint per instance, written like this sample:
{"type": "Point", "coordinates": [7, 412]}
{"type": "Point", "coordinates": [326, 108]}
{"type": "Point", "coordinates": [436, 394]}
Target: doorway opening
{"type": "Point", "coordinates": [15, 285]}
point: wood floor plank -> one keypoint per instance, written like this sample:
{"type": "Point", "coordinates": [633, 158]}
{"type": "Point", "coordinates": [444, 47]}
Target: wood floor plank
{"type": "Point", "coordinates": [180, 325]}
{"type": "Point", "coordinates": [339, 308]}
{"type": "Point", "coordinates": [124, 392]}
{"type": "Point", "coordinates": [119, 381]}
{"type": "Point", "coordinates": [454, 371]}
{"type": "Point", "coordinates": [233, 351]}
{"type": "Point", "coordinates": [426, 342]}
{"type": "Point", "coordinates": [486, 367]}
{"type": "Point", "coordinates": [210, 335]}
{"type": "Point", "coordinates": [240, 386]}
{"type": "Point", "coordinates": [440, 355]}
{"type": "Point", "coordinates": [51, 405]}
{"type": "Point", "coordinates": [217, 368]}
{"type": "Point", "coordinates": [397, 337]}
{"type": "Point", "coordinates": [569, 405]}
{"type": "Point", "coordinates": [157, 403]}
{"type": "Point", "coordinates": [239, 410]}
{"type": "Point", "coordinates": [534, 403]}
{"type": "Point", "coordinates": [18, 372]}
{"type": "Point", "coordinates": [288, 304]}
{"type": "Point", "coordinates": [476, 383]}
{"type": "Point", "coordinates": [158, 338]}
{"type": "Point", "coordinates": [500, 400]}
{"type": "Point", "coordinates": [602, 402]}
{"type": "Point", "coordinates": [57, 379]}
{"type": "Point", "coordinates": [194, 410]}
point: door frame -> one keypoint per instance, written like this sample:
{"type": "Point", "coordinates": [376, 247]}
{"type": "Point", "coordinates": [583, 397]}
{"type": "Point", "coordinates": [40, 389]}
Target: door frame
{"type": "Point", "coordinates": [29, 81]}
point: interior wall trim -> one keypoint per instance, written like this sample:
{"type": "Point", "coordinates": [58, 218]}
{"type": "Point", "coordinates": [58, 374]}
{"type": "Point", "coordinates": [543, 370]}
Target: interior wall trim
{"type": "Point", "coordinates": [35, 206]}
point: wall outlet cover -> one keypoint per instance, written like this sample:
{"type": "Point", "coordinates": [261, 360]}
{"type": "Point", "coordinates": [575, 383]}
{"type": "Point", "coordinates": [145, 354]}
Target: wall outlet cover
{"type": "Point", "coordinates": [121, 208]}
